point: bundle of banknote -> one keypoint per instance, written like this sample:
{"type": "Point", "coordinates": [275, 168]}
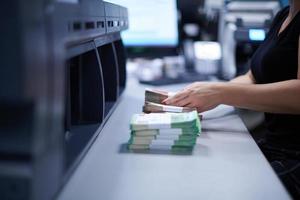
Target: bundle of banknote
{"type": "Point", "coordinates": [153, 102]}
{"type": "Point", "coordinates": [157, 96]}
{"type": "Point", "coordinates": [164, 131]}
{"type": "Point", "coordinates": [150, 107]}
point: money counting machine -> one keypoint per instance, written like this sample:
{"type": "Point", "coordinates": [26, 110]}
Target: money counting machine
{"type": "Point", "coordinates": [62, 73]}
{"type": "Point", "coordinates": [242, 28]}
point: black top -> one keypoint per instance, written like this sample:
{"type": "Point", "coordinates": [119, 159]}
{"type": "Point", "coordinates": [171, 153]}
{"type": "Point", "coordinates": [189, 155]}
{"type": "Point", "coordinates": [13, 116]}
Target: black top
{"type": "Point", "coordinates": [277, 60]}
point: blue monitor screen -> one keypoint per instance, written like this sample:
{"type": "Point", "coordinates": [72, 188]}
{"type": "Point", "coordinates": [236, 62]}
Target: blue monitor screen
{"type": "Point", "coordinates": [257, 34]}
{"type": "Point", "coordinates": [284, 3]}
{"type": "Point", "coordinates": [151, 23]}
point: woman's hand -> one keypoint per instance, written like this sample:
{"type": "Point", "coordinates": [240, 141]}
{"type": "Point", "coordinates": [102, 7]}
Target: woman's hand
{"type": "Point", "coordinates": [201, 95]}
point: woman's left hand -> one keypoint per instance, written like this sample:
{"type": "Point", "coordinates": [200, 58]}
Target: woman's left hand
{"type": "Point", "coordinates": [201, 95]}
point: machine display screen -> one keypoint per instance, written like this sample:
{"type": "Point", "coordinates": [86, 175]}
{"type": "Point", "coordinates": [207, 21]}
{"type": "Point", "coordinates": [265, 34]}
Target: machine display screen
{"type": "Point", "coordinates": [257, 34]}
{"type": "Point", "coordinates": [284, 3]}
{"type": "Point", "coordinates": [151, 23]}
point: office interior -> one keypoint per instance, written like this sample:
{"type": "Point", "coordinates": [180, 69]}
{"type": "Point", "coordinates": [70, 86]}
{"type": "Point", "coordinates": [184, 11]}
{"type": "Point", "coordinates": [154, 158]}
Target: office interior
{"type": "Point", "coordinates": [74, 72]}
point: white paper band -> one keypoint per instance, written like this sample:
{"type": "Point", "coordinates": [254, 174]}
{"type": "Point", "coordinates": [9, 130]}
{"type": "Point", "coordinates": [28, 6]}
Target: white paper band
{"type": "Point", "coordinates": [167, 137]}
{"type": "Point", "coordinates": [163, 142]}
{"type": "Point", "coordinates": [160, 147]}
{"type": "Point", "coordinates": [172, 109]}
{"type": "Point", "coordinates": [174, 131]}
{"type": "Point", "coordinates": [155, 121]}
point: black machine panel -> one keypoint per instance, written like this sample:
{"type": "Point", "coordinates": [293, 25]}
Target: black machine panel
{"type": "Point", "coordinates": [63, 71]}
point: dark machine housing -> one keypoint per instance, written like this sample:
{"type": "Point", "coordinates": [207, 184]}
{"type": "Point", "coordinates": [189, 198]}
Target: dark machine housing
{"type": "Point", "coordinates": [62, 73]}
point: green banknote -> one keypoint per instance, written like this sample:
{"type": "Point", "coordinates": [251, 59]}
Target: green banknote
{"type": "Point", "coordinates": [183, 141]}
{"type": "Point", "coordinates": [160, 147]}
{"type": "Point", "coordinates": [189, 120]}
{"type": "Point", "coordinates": [167, 132]}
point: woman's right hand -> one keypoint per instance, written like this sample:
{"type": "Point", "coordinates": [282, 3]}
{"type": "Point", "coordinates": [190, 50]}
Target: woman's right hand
{"type": "Point", "coordinates": [201, 95]}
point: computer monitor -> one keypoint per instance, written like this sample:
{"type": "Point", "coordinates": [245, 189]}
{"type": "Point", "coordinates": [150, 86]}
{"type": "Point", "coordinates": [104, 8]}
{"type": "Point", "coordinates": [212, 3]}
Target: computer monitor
{"type": "Point", "coordinates": [153, 27]}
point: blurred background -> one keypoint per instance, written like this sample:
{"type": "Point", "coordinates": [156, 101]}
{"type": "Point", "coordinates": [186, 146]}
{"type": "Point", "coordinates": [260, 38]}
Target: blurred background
{"type": "Point", "coordinates": [66, 64]}
{"type": "Point", "coordinates": [180, 41]}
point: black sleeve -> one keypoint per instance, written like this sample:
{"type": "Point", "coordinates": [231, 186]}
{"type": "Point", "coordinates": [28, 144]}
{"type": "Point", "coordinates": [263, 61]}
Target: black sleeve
{"type": "Point", "coordinates": [278, 17]}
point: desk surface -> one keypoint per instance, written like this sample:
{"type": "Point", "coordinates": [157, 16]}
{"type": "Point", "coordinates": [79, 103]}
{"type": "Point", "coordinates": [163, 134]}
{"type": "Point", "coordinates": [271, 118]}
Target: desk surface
{"type": "Point", "coordinates": [225, 164]}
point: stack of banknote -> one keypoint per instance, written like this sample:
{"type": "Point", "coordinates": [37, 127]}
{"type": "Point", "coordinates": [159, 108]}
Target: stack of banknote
{"type": "Point", "coordinates": [153, 103]}
{"type": "Point", "coordinates": [150, 107]}
{"type": "Point", "coordinates": [157, 96]}
{"type": "Point", "coordinates": [164, 131]}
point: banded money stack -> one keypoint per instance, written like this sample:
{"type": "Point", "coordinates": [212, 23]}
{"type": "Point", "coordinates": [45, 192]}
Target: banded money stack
{"type": "Point", "coordinates": [153, 103]}
{"type": "Point", "coordinates": [164, 131]}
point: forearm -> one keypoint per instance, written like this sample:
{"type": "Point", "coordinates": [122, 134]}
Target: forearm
{"type": "Point", "coordinates": [281, 97]}
{"type": "Point", "coordinates": [244, 79]}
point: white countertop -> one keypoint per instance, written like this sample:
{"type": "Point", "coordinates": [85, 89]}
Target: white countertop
{"type": "Point", "coordinates": [225, 164]}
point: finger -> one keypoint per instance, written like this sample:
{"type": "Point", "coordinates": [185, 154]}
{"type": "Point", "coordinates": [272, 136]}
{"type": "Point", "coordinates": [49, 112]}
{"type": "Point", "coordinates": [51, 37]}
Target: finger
{"type": "Point", "coordinates": [177, 97]}
{"type": "Point", "coordinates": [166, 100]}
{"type": "Point", "coordinates": [170, 97]}
{"type": "Point", "coordinates": [183, 102]}
{"type": "Point", "coordinates": [201, 109]}
{"type": "Point", "coordinates": [190, 105]}
{"type": "Point", "coordinates": [189, 86]}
